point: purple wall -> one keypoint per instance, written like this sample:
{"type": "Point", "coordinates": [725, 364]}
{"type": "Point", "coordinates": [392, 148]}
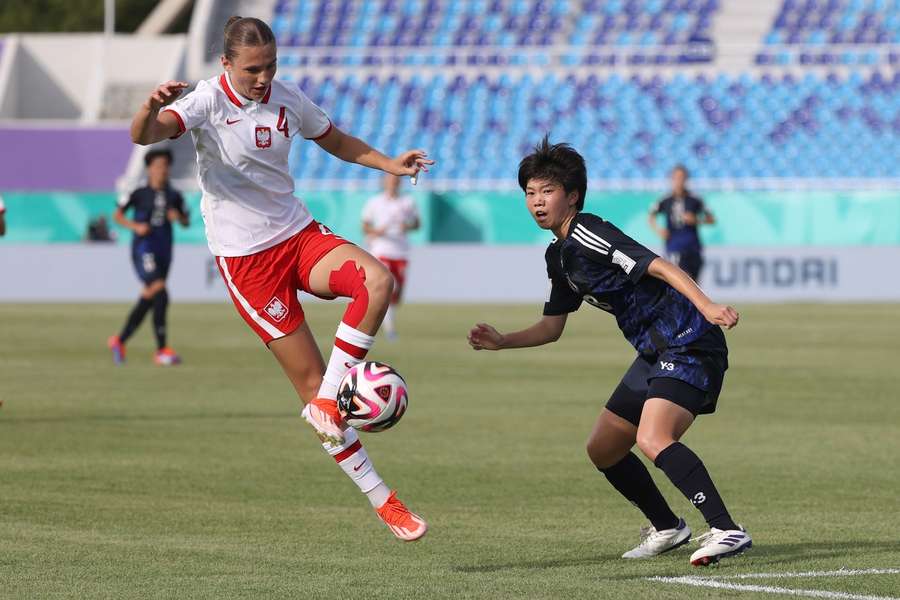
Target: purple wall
{"type": "Point", "coordinates": [79, 160]}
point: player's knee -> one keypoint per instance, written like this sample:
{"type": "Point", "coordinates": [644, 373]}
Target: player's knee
{"type": "Point", "coordinates": [599, 453]}
{"type": "Point", "coordinates": [651, 443]}
{"type": "Point", "coordinates": [380, 285]}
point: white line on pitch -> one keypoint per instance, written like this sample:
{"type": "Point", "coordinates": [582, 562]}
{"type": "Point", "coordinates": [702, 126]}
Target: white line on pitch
{"type": "Point", "coordinates": [838, 573]}
{"type": "Point", "coordinates": [710, 583]}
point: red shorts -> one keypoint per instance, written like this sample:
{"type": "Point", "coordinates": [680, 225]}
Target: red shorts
{"type": "Point", "coordinates": [263, 286]}
{"type": "Point", "coordinates": [397, 267]}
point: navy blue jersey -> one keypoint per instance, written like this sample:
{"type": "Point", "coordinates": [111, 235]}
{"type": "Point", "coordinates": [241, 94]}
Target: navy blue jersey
{"type": "Point", "coordinates": [682, 237]}
{"type": "Point", "coordinates": [598, 264]}
{"type": "Point", "coordinates": [151, 206]}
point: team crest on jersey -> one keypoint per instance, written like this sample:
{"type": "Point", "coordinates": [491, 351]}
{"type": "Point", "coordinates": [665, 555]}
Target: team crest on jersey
{"type": "Point", "coordinates": [263, 137]}
{"type": "Point", "coordinates": [276, 310]}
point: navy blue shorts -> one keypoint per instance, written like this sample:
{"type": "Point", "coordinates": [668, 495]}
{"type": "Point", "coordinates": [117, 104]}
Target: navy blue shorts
{"type": "Point", "coordinates": [151, 263]}
{"type": "Point", "coordinates": [690, 376]}
{"type": "Point", "coordinates": [690, 262]}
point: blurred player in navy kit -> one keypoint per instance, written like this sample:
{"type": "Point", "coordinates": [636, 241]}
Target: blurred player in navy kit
{"type": "Point", "coordinates": [155, 206]}
{"type": "Point", "coordinates": [684, 212]}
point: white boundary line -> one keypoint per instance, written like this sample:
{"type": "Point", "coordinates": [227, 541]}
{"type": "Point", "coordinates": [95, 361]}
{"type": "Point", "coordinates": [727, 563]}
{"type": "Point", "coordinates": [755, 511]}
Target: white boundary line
{"type": "Point", "coordinates": [718, 583]}
{"type": "Point", "coordinates": [838, 573]}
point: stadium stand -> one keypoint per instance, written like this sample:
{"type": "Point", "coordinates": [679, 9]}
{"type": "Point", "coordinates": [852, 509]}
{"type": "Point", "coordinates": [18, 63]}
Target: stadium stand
{"type": "Point", "coordinates": [741, 93]}
{"type": "Point", "coordinates": [729, 127]}
{"type": "Point", "coordinates": [472, 81]}
{"type": "Point", "coordinates": [833, 32]}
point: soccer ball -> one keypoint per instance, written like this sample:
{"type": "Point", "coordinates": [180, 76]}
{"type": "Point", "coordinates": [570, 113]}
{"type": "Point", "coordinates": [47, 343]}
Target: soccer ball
{"type": "Point", "coordinates": [372, 397]}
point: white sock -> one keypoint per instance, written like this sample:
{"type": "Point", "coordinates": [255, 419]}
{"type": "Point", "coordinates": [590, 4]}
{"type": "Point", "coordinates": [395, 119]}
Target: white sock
{"type": "Point", "coordinates": [388, 323]}
{"type": "Point", "coordinates": [350, 348]}
{"type": "Point", "coordinates": [355, 462]}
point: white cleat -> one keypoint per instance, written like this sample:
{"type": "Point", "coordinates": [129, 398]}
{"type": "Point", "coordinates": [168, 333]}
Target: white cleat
{"type": "Point", "coordinates": [324, 417]}
{"type": "Point", "coordinates": [720, 543]}
{"type": "Point", "coordinates": [655, 542]}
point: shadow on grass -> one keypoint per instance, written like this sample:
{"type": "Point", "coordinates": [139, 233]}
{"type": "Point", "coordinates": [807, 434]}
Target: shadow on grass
{"type": "Point", "coordinates": [764, 554]}
{"type": "Point", "coordinates": [145, 418]}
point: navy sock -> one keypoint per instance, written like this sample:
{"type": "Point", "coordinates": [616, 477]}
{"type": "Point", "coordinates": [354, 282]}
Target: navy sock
{"type": "Point", "coordinates": [160, 304]}
{"type": "Point", "coordinates": [632, 479]}
{"type": "Point", "coordinates": [686, 471]}
{"type": "Point", "coordinates": [135, 317]}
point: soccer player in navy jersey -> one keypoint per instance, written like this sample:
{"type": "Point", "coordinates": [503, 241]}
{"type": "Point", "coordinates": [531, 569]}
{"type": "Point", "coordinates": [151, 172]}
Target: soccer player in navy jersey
{"type": "Point", "coordinates": [681, 362]}
{"type": "Point", "coordinates": [155, 206]}
{"type": "Point", "coordinates": [684, 212]}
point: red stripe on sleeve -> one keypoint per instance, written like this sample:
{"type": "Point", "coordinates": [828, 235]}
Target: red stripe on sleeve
{"type": "Point", "coordinates": [323, 134]}
{"type": "Point", "coordinates": [181, 127]}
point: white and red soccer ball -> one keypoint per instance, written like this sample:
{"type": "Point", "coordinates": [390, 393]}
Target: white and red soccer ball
{"type": "Point", "coordinates": [372, 397]}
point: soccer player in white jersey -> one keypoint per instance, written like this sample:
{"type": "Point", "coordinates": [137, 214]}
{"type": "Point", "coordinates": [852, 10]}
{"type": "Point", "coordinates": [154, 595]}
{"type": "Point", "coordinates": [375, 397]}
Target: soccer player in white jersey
{"type": "Point", "coordinates": [268, 246]}
{"type": "Point", "coordinates": [387, 217]}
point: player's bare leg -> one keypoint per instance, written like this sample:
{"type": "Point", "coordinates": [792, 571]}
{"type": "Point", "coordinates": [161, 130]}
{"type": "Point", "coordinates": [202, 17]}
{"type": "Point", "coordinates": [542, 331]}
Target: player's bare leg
{"type": "Point", "coordinates": [388, 326]}
{"type": "Point", "coordinates": [609, 448]}
{"type": "Point", "coordinates": [661, 427]}
{"type": "Point", "coordinates": [610, 440]}
{"type": "Point", "coordinates": [349, 271]}
{"type": "Point", "coordinates": [299, 357]}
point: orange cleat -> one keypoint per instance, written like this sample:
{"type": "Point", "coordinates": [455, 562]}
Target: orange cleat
{"type": "Point", "coordinates": [117, 348]}
{"type": "Point", "coordinates": [323, 415]}
{"type": "Point", "coordinates": [166, 357]}
{"type": "Point", "coordinates": [406, 525]}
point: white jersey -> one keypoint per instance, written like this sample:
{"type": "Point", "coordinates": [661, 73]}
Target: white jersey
{"type": "Point", "coordinates": [389, 214]}
{"type": "Point", "coordinates": [248, 201]}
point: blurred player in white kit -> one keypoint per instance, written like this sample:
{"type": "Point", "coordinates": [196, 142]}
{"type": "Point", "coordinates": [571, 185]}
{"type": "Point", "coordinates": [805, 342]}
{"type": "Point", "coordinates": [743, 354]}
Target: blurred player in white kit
{"type": "Point", "coordinates": [387, 218]}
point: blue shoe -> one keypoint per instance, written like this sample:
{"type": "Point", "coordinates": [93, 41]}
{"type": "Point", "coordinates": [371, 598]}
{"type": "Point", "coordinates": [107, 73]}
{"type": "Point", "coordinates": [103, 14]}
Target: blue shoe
{"type": "Point", "coordinates": [117, 348]}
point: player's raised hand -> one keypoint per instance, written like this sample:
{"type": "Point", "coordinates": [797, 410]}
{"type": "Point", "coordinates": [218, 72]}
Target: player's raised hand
{"type": "Point", "coordinates": [410, 163]}
{"type": "Point", "coordinates": [485, 337]}
{"type": "Point", "coordinates": [165, 94]}
{"type": "Point", "coordinates": [721, 314]}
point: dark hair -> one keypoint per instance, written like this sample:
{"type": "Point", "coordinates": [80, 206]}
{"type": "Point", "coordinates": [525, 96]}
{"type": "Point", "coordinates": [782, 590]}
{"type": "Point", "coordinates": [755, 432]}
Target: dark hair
{"type": "Point", "coordinates": [245, 31]}
{"type": "Point", "coordinates": [682, 168]}
{"type": "Point", "coordinates": [154, 154]}
{"type": "Point", "coordinates": [559, 163]}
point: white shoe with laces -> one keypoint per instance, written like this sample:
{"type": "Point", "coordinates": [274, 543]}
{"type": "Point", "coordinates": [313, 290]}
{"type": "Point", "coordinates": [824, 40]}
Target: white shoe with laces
{"type": "Point", "coordinates": [655, 542]}
{"type": "Point", "coordinates": [720, 543]}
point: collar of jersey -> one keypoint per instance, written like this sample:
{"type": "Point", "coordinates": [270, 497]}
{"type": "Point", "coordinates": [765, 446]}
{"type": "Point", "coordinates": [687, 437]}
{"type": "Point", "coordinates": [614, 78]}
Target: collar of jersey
{"type": "Point", "coordinates": [236, 98]}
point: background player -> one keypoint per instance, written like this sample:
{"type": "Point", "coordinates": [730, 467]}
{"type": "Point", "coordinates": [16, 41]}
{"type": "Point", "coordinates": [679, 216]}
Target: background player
{"type": "Point", "coordinates": [670, 322]}
{"type": "Point", "coordinates": [684, 211]}
{"type": "Point", "coordinates": [387, 218]}
{"type": "Point", "coordinates": [155, 206]}
{"type": "Point", "coordinates": [2, 217]}
{"type": "Point", "coordinates": [266, 243]}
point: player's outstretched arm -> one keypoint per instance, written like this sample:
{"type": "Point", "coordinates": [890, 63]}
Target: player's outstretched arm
{"type": "Point", "coordinates": [717, 314]}
{"type": "Point", "coordinates": [548, 329]}
{"type": "Point", "coordinates": [149, 125]}
{"type": "Point", "coordinates": [352, 149]}
{"type": "Point", "coordinates": [662, 232]}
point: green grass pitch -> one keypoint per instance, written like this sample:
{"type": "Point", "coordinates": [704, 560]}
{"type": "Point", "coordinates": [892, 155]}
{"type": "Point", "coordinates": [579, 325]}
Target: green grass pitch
{"type": "Point", "coordinates": [202, 481]}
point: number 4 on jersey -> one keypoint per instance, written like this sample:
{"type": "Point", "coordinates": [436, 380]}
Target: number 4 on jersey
{"type": "Point", "coordinates": [282, 123]}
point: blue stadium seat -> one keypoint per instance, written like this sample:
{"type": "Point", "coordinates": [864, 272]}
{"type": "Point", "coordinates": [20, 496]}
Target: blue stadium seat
{"type": "Point", "coordinates": [769, 126]}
